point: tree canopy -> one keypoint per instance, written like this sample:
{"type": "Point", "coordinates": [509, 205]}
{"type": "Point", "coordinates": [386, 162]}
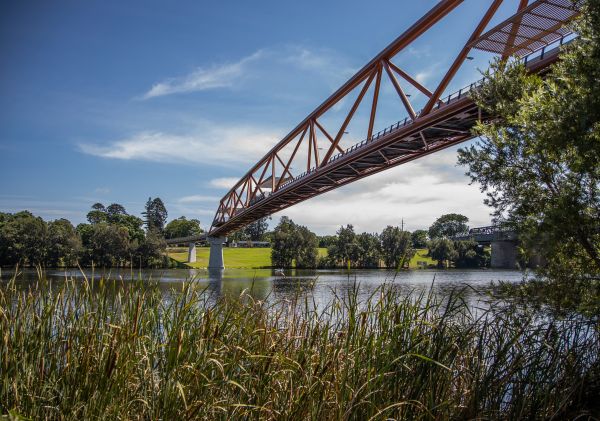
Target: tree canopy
{"type": "Point", "coordinates": [182, 227]}
{"type": "Point", "coordinates": [293, 243]}
{"type": "Point", "coordinates": [155, 214]}
{"type": "Point", "coordinates": [538, 162]}
{"type": "Point", "coordinates": [449, 225]}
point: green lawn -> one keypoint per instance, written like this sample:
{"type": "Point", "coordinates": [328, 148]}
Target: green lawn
{"type": "Point", "coordinates": [256, 258]}
{"type": "Point", "coordinates": [421, 256]}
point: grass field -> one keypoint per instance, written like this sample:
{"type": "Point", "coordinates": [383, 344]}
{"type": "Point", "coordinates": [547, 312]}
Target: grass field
{"type": "Point", "coordinates": [256, 258]}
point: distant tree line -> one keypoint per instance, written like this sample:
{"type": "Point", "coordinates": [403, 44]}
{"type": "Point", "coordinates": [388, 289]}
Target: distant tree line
{"type": "Point", "coordinates": [110, 238]}
{"type": "Point", "coordinates": [392, 248]}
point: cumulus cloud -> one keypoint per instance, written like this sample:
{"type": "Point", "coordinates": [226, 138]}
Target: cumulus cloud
{"type": "Point", "coordinates": [417, 192]}
{"type": "Point", "coordinates": [209, 144]}
{"type": "Point", "coordinates": [197, 199]}
{"type": "Point", "coordinates": [223, 183]}
{"type": "Point", "coordinates": [216, 76]}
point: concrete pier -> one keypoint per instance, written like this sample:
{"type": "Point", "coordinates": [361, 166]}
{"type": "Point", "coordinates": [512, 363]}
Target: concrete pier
{"type": "Point", "coordinates": [192, 252]}
{"type": "Point", "coordinates": [215, 260]}
{"type": "Point", "coordinates": [504, 254]}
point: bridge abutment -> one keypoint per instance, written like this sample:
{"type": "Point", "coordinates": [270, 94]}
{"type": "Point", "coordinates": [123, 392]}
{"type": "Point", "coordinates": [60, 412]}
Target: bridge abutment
{"type": "Point", "coordinates": [192, 252]}
{"type": "Point", "coordinates": [215, 259]}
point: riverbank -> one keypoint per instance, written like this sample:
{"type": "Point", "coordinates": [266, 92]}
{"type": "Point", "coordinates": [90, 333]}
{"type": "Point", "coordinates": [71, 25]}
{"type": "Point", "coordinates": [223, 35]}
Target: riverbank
{"type": "Point", "coordinates": [121, 351]}
{"type": "Point", "coordinates": [259, 258]}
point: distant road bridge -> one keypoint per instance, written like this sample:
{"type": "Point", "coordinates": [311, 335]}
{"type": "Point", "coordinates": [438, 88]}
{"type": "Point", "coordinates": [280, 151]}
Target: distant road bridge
{"type": "Point", "coordinates": [503, 242]}
{"type": "Point", "coordinates": [278, 180]}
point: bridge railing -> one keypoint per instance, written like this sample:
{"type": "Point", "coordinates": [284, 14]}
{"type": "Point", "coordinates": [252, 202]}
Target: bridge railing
{"type": "Point", "coordinates": [492, 229]}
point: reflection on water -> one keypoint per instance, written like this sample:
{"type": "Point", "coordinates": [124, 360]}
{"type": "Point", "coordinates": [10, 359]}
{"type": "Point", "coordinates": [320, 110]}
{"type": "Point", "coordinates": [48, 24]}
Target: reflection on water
{"type": "Point", "coordinates": [317, 285]}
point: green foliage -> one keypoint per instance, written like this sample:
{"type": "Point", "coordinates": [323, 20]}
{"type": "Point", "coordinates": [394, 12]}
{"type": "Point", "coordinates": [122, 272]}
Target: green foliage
{"type": "Point", "coordinates": [106, 245]}
{"type": "Point", "coordinates": [345, 250]}
{"type": "Point", "coordinates": [117, 239]}
{"type": "Point", "coordinates": [442, 250]}
{"type": "Point", "coordinates": [327, 240]}
{"type": "Point", "coordinates": [396, 247]}
{"type": "Point", "coordinates": [23, 239]}
{"type": "Point", "coordinates": [64, 245]}
{"type": "Point", "coordinates": [449, 225]}
{"type": "Point", "coordinates": [469, 254]}
{"type": "Point", "coordinates": [96, 216]}
{"type": "Point", "coordinates": [369, 253]}
{"type": "Point", "coordinates": [538, 163]}
{"type": "Point", "coordinates": [257, 229]}
{"type": "Point", "coordinates": [419, 239]}
{"type": "Point", "coordinates": [182, 227]}
{"type": "Point", "coordinates": [561, 297]}
{"type": "Point", "coordinates": [124, 350]}
{"type": "Point", "coordinates": [151, 251]}
{"type": "Point", "coordinates": [155, 215]}
{"type": "Point", "coordinates": [293, 243]}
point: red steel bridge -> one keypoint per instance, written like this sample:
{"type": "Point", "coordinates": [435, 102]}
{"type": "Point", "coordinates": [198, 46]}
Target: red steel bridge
{"type": "Point", "coordinates": [310, 160]}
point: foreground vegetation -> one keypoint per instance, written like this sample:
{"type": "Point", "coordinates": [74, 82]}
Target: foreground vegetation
{"type": "Point", "coordinates": [123, 350]}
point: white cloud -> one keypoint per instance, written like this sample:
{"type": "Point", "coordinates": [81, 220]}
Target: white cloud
{"type": "Point", "coordinates": [418, 192]}
{"type": "Point", "coordinates": [197, 199]}
{"type": "Point", "coordinates": [102, 190]}
{"type": "Point", "coordinates": [223, 183]}
{"type": "Point", "coordinates": [327, 63]}
{"type": "Point", "coordinates": [216, 76]}
{"type": "Point", "coordinates": [209, 144]}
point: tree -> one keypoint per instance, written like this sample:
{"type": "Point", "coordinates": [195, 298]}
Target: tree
{"type": "Point", "coordinates": [442, 250]}
{"type": "Point", "coordinates": [33, 232]}
{"type": "Point", "coordinates": [63, 244]}
{"type": "Point", "coordinates": [345, 249]}
{"type": "Point", "coordinates": [369, 254]}
{"type": "Point", "coordinates": [293, 243]}
{"type": "Point", "coordinates": [449, 225]}
{"type": "Point", "coordinates": [155, 214]}
{"type": "Point", "coordinates": [23, 239]}
{"type": "Point", "coordinates": [256, 230]}
{"type": "Point", "coordinates": [133, 225]}
{"type": "Point", "coordinates": [108, 245]}
{"type": "Point", "coordinates": [96, 216]}
{"type": "Point", "coordinates": [396, 247]}
{"type": "Point", "coordinates": [419, 239]}
{"type": "Point", "coordinates": [99, 207]}
{"type": "Point", "coordinates": [469, 254]}
{"type": "Point", "coordinates": [151, 251]}
{"type": "Point", "coordinates": [283, 248]}
{"type": "Point", "coordinates": [182, 227]}
{"type": "Point", "coordinates": [114, 211]}
{"type": "Point", "coordinates": [307, 243]}
{"type": "Point", "coordinates": [327, 240]}
{"type": "Point", "coordinates": [538, 162]}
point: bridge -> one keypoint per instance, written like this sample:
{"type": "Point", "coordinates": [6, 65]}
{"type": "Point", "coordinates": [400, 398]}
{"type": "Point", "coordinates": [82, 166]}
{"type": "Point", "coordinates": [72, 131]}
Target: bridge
{"type": "Point", "coordinates": [533, 35]}
{"type": "Point", "coordinates": [503, 242]}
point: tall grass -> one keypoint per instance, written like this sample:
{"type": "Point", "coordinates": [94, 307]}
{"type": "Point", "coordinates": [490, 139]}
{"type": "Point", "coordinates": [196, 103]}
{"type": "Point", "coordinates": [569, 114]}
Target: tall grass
{"type": "Point", "coordinates": [112, 350]}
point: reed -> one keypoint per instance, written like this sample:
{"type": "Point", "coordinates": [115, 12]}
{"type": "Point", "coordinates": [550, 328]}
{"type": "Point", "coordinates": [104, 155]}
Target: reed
{"type": "Point", "coordinates": [124, 350]}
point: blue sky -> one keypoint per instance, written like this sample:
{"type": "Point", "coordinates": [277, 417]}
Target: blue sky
{"type": "Point", "coordinates": [116, 101]}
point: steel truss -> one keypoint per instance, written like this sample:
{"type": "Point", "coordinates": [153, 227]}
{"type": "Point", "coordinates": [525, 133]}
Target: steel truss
{"type": "Point", "coordinates": [271, 184]}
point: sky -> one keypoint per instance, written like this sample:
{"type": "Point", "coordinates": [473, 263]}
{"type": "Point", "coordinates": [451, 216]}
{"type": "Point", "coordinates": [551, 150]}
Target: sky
{"type": "Point", "coordinates": [117, 101]}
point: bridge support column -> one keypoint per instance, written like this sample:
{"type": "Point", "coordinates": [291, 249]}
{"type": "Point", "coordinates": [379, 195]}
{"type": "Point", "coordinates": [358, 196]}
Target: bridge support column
{"type": "Point", "coordinates": [504, 254]}
{"type": "Point", "coordinates": [215, 260]}
{"type": "Point", "coordinates": [192, 252]}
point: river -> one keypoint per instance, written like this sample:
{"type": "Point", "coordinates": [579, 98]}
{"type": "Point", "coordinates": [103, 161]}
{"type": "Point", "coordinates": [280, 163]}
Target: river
{"type": "Point", "coordinates": [318, 285]}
